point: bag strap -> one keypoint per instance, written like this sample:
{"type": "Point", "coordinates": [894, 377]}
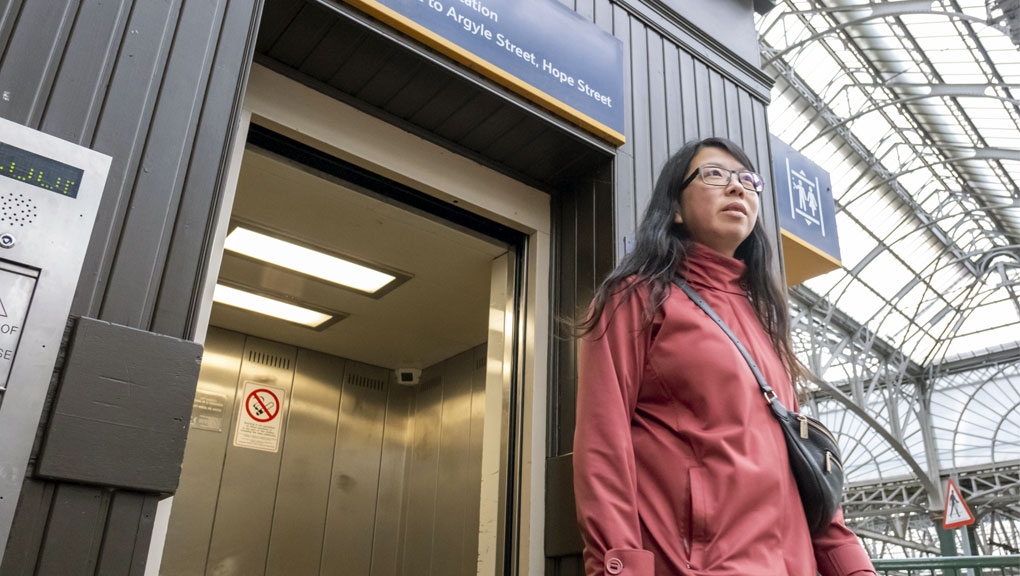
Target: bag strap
{"type": "Point", "coordinates": [766, 390]}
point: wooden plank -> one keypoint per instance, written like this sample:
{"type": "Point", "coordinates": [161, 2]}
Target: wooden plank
{"type": "Point", "coordinates": [121, 133]}
{"type": "Point", "coordinates": [180, 290]}
{"type": "Point", "coordinates": [32, 58]}
{"type": "Point", "coordinates": [80, 84]}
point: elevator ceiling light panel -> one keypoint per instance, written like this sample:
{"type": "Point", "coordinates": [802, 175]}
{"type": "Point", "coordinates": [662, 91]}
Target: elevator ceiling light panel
{"type": "Point", "coordinates": [306, 260]}
{"type": "Point", "coordinates": [270, 307]}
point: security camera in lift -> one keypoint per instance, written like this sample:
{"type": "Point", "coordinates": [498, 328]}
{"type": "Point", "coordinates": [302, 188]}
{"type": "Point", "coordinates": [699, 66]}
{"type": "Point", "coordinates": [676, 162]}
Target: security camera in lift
{"type": "Point", "coordinates": [408, 376]}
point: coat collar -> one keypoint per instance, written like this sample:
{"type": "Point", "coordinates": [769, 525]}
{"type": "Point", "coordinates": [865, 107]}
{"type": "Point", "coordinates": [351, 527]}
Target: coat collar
{"type": "Point", "coordinates": [706, 268]}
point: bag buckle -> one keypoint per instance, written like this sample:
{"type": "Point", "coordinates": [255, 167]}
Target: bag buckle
{"type": "Point", "coordinates": [767, 398]}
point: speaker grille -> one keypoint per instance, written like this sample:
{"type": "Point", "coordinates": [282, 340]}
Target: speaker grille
{"type": "Point", "coordinates": [17, 209]}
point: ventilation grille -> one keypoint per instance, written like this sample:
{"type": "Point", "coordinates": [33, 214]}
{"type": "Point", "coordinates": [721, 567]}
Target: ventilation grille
{"type": "Point", "coordinates": [271, 360]}
{"type": "Point", "coordinates": [17, 209]}
{"type": "Point", "coordinates": [366, 381]}
{"type": "Point", "coordinates": [430, 384]}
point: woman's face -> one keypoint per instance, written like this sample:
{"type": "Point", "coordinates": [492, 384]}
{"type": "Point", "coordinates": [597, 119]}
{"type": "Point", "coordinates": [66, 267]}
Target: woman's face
{"type": "Point", "coordinates": [719, 217]}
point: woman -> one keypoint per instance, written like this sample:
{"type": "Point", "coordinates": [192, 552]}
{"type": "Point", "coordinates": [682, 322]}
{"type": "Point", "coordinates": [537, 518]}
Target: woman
{"type": "Point", "coordinates": [679, 467]}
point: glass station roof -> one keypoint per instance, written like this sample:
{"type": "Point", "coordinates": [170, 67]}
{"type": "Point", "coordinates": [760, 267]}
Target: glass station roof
{"type": "Point", "coordinates": [914, 109]}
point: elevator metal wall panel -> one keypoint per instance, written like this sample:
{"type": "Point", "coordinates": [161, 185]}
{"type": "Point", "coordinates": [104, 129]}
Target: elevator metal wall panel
{"type": "Point", "coordinates": [244, 513]}
{"type": "Point", "coordinates": [387, 540]}
{"type": "Point", "coordinates": [303, 491]}
{"type": "Point", "coordinates": [473, 493]}
{"type": "Point", "coordinates": [423, 471]}
{"type": "Point", "coordinates": [354, 482]}
{"type": "Point", "coordinates": [191, 518]}
{"type": "Point", "coordinates": [453, 481]}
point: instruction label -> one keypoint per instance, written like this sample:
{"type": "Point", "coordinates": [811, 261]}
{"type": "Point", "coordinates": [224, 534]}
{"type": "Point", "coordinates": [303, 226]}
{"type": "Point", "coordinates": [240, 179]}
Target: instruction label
{"type": "Point", "coordinates": [15, 296]}
{"type": "Point", "coordinates": [207, 413]}
{"type": "Point", "coordinates": [258, 420]}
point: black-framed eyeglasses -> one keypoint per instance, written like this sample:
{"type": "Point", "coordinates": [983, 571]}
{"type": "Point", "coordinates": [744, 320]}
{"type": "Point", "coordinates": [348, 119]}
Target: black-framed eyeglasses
{"type": "Point", "coordinates": [719, 176]}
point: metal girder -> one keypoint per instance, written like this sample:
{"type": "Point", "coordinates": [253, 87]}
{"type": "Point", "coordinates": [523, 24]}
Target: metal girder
{"type": "Point", "coordinates": [934, 91]}
{"type": "Point", "coordinates": [891, 512]}
{"type": "Point", "coordinates": [872, 11]}
{"type": "Point", "coordinates": [874, 164]}
{"type": "Point", "coordinates": [1005, 14]}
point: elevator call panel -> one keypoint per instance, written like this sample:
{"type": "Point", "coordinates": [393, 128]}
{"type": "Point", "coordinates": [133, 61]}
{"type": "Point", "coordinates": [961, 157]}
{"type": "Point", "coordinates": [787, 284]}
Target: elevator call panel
{"type": "Point", "coordinates": [49, 196]}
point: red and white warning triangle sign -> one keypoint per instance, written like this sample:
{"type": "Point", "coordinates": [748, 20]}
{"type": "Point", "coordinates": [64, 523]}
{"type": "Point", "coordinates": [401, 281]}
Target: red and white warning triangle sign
{"type": "Point", "coordinates": [957, 512]}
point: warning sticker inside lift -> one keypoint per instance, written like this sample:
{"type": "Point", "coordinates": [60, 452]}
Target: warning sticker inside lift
{"type": "Point", "coordinates": [258, 420]}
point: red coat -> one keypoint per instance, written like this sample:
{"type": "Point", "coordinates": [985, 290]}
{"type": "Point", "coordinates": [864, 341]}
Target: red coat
{"type": "Point", "coordinates": [679, 468]}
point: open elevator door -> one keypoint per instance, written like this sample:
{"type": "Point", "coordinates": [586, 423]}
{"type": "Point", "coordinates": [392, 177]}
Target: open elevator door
{"type": "Point", "coordinates": [308, 459]}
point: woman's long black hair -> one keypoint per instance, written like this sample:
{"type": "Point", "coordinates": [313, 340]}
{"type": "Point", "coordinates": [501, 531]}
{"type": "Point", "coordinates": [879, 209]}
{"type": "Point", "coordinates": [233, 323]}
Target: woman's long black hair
{"type": "Point", "coordinates": [661, 250]}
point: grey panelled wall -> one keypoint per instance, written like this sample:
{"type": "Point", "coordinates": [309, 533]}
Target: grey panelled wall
{"type": "Point", "coordinates": [680, 86]}
{"type": "Point", "coordinates": [157, 86]}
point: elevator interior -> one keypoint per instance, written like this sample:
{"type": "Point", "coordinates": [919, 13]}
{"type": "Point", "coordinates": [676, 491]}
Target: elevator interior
{"type": "Point", "coordinates": [346, 470]}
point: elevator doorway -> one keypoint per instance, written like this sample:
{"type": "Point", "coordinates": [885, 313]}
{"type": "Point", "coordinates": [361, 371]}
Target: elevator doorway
{"type": "Point", "coordinates": [375, 439]}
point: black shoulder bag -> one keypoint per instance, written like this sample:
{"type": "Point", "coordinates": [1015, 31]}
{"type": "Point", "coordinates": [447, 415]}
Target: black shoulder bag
{"type": "Point", "coordinates": [814, 455]}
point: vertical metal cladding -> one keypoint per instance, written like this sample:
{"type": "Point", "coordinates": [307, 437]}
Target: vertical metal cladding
{"type": "Point", "coordinates": [155, 85]}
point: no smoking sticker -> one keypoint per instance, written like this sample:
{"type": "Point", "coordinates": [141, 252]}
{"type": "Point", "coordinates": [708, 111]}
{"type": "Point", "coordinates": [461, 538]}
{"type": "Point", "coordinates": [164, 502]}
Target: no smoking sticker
{"type": "Point", "coordinates": [258, 424]}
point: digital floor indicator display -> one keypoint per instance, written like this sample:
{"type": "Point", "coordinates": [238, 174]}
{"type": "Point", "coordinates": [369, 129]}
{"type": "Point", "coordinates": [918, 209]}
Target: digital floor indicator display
{"type": "Point", "coordinates": [39, 171]}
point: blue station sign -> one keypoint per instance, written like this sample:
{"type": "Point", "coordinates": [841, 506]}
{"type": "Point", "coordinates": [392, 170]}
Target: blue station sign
{"type": "Point", "coordinates": [538, 48]}
{"type": "Point", "coordinates": [804, 193]}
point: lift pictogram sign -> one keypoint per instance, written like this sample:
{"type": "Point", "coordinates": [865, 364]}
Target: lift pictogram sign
{"type": "Point", "coordinates": [957, 513]}
{"type": "Point", "coordinates": [262, 405]}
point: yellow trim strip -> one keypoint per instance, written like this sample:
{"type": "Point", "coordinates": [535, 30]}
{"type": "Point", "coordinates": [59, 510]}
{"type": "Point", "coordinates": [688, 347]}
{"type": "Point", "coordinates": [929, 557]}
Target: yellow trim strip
{"type": "Point", "coordinates": [422, 34]}
{"type": "Point", "coordinates": [810, 247]}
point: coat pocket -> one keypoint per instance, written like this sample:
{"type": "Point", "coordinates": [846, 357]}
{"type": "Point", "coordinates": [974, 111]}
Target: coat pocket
{"type": "Point", "coordinates": [697, 524]}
